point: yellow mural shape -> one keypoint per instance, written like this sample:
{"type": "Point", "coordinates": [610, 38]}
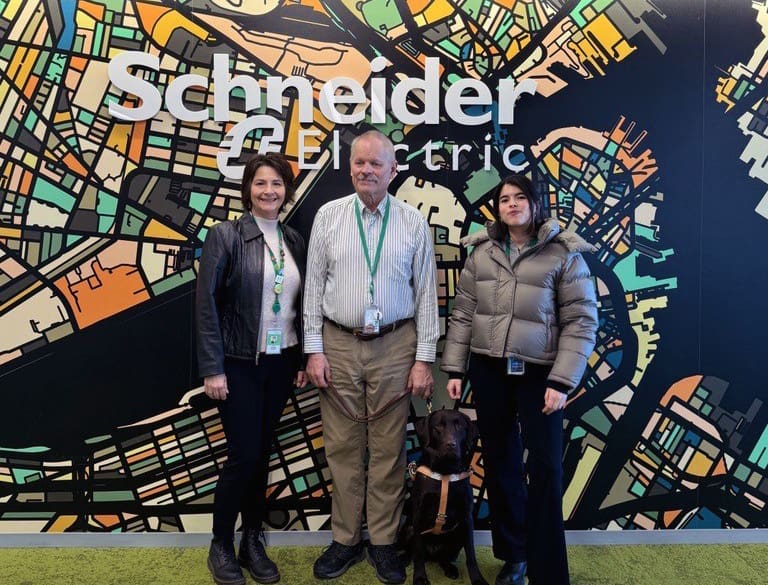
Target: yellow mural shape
{"type": "Point", "coordinates": [158, 230]}
{"type": "Point", "coordinates": [160, 22]}
{"type": "Point", "coordinates": [248, 7]}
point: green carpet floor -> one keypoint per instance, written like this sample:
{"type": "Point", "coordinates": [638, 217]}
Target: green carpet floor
{"type": "Point", "coordinates": [590, 565]}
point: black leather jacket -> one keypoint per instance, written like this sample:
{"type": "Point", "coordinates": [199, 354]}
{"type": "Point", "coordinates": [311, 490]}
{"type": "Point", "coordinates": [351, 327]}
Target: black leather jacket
{"type": "Point", "coordinates": [229, 291]}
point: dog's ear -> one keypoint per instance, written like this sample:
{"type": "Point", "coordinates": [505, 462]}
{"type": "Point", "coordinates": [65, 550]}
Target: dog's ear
{"type": "Point", "coordinates": [473, 434]}
{"type": "Point", "coordinates": [422, 430]}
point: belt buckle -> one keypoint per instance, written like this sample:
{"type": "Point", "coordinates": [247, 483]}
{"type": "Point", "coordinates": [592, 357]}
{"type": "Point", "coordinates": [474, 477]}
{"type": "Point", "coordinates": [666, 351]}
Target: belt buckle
{"type": "Point", "coordinates": [361, 335]}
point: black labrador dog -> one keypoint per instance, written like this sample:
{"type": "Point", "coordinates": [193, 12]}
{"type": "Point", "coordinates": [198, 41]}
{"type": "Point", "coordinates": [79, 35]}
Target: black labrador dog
{"type": "Point", "coordinates": [440, 523]}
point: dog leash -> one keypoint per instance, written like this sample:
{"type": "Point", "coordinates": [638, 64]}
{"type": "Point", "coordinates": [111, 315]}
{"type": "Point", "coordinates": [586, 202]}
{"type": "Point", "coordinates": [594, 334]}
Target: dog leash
{"type": "Point", "coordinates": [334, 396]}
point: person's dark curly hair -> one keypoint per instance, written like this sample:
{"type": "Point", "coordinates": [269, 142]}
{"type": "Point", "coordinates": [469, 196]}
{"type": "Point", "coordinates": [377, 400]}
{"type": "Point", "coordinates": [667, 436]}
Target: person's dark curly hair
{"type": "Point", "coordinates": [278, 162]}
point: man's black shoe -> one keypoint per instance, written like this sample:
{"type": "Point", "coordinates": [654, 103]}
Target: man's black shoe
{"type": "Point", "coordinates": [512, 573]}
{"type": "Point", "coordinates": [388, 564]}
{"type": "Point", "coordinates": [336, 559]}
{"type": "Point", "coordinates": [254, 558]}
{"type": "Point", "coordinates": [223, 565]}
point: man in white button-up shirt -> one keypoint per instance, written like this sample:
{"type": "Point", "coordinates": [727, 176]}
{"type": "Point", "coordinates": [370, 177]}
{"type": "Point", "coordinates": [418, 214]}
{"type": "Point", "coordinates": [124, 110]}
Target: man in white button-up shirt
{"type": "Point", "coordinates": [370, 329]}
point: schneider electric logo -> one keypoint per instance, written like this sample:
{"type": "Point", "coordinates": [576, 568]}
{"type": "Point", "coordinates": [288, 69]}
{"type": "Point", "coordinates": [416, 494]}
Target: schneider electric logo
{"type": "Point", "coordinates": [466, 101]}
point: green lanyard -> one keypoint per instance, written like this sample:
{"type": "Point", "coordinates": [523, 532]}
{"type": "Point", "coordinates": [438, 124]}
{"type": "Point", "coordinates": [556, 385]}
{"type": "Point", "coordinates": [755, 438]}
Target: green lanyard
{"type": "Point", "coordinates": [279, 267]}
{"type": "Point", "coordinates": [371, 267]}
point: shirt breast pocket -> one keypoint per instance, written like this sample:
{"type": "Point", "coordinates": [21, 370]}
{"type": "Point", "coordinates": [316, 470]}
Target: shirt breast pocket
{"type": "Point", "coordinates": [398, 263]}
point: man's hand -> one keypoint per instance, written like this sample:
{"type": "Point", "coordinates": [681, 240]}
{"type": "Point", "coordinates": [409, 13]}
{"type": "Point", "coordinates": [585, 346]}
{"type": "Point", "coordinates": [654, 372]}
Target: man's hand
{"type": "Point", "coordinates": [301, 379]}
{"type": "Point", "coordinates": [216, 386]}
{"type": "Point", "coordinates": [454, 388]}
{"type": "Point", "coordinates": [553, 401]}
{"type": "Point", "coordinates": [319, 370]}
{"type": "Point", "coordinates": [420, 380]}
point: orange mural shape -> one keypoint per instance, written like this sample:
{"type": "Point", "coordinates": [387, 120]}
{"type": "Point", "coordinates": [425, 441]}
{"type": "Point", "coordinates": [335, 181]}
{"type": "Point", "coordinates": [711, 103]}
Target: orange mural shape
{"type": "Point", "coordinates": [105, 293]}
{"type": "Point", "coordinates": [682, 389]}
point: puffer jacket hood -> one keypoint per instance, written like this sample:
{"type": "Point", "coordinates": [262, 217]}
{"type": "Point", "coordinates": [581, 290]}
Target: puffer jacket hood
{"type": "Point", "coordinates": [541, 308]}
{"type": "Point", "coordinates": [549, 230]}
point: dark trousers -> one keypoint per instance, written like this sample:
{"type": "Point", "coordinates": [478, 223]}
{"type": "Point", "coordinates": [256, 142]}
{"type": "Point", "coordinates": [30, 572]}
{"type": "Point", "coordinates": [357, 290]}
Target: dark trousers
{"type": "Point", "coordinates": [257, 397]}
{"type": "Point", "coordinates": [526, 520]}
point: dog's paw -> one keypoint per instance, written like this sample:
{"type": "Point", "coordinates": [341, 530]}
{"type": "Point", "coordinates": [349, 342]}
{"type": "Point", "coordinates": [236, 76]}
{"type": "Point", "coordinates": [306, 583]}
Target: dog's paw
{"type": "Point", "coordinates": [421, 580]}
{"type": "Point", "coordinates": [450, 570]}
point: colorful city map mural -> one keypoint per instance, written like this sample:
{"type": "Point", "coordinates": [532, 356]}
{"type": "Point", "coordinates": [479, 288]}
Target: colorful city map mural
{"type": "Point", "coordinates": [647, 132]}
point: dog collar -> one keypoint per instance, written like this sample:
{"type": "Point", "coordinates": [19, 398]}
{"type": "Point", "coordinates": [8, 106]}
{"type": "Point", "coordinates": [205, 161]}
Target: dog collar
{"type": "Point", "coordinates": [424, 470]}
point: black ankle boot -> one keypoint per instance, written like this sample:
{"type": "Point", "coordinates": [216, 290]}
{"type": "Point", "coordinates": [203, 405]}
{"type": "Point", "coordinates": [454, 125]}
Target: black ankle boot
{"type": "Point", "coordinates": [222, 563]}
{"type": "Point", "coordinates": [254, 558]}
{"type": "Point", "coordinates": [512, 573]}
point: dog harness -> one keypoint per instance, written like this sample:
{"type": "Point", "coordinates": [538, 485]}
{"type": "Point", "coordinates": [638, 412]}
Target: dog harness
{"type": "Point", "coordinates": [445, 480]}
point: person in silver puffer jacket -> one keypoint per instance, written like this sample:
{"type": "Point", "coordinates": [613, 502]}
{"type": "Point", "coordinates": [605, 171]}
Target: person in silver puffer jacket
{"type": "Point", "coordinates": [523, 326]}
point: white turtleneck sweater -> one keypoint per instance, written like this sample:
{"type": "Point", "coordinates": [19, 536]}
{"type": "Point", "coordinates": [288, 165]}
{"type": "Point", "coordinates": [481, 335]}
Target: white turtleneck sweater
{"type": "Point", "coordinates": [289, 296]}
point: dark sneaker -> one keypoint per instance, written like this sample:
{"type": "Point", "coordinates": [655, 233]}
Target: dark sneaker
{"type": "Point", "coordinates": [336, 559]}
{"type": "Point", "coordinates": [223, 565]}
{"type": "Point", "coordinates": [512, 573]}
{"type": "Point", "coordinates": [388, 564]}
{"type": "Point", "coordinates": [254, 558]}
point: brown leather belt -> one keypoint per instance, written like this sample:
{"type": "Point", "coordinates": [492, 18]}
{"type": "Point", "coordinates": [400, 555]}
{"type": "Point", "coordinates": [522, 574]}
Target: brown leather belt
{"type": "Point", "coordinates": [358, 331]}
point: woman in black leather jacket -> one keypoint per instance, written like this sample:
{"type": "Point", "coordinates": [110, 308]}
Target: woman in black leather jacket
{"type": "Point", "coordinates": [248, 310]}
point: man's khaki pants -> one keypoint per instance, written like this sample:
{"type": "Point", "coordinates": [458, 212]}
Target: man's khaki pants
{"type": "Point", "coordinates": [367, 375]}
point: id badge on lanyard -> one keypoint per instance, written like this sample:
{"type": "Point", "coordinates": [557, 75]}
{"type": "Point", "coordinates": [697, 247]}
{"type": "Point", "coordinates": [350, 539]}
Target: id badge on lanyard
{"type": "Point", "coordinates": [371, 320]}
{"type": "Point", "coordinates": [274, 341]}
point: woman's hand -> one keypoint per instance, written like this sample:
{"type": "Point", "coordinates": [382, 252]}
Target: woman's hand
{"type": "Point", "coordinates": [454, 388]}
{"type": "Point", "coordinates": [554, 401]}
{"type": "Point", "coordinates": [301, 379]}
{"type": "Point", "coordinates": [216, 386]}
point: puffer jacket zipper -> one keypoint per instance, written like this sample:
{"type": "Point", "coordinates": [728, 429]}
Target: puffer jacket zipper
{"type": "Point", "coordinates": [513, 267]}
